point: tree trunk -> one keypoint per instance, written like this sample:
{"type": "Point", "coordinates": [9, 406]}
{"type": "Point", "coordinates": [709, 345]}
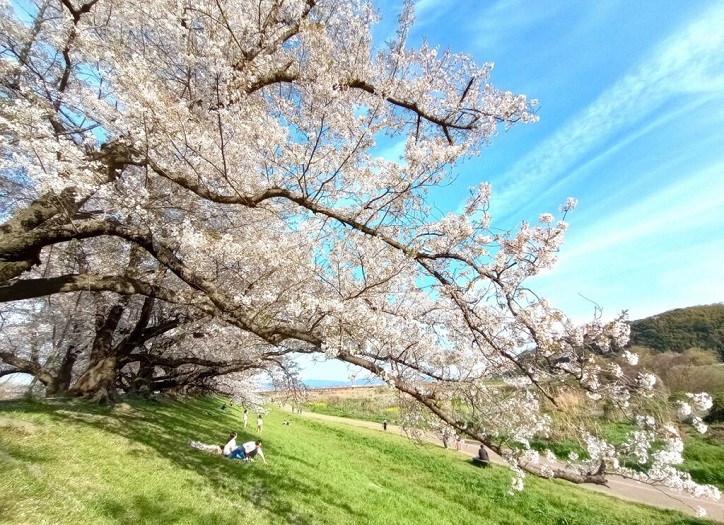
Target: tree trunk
{"type": "Point", "coordinates": [98, 382]}
{"type": "Point", "coordinates": [100, 377]}
{"type": "Point", "coordinates": [60, 385]}
{"type": "Point", "coordinates": [142, 380]}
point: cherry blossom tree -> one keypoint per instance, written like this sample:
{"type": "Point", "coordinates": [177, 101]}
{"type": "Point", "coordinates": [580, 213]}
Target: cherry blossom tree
{"type": "Point", "coordinates": [221, 158]}
{"type": "Point", "coordinates": [98, 343]}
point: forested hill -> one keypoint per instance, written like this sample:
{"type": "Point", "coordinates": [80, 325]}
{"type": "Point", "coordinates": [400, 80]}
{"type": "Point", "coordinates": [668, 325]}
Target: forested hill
{"type": "Point", "coordinates": [681, 329]}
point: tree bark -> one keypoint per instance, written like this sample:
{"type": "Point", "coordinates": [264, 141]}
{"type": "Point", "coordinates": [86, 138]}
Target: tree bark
{"type": "Point", "coordinates": [98, 379]}
{"type": "Point", "coordinates": [27, 366]}
{"type": "Point", "coordinates": [103, 370]}
{"type": "Point", "coordinates": [60, 385]}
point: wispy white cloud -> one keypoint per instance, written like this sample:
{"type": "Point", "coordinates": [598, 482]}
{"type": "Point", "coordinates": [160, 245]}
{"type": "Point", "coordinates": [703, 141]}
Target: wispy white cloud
{"type": "Point", "coordinates": [662, 252]}
{"type": "Point", "coordinates": [424, 6]}
{"type": "Point", "coordinates": [694, 203]}
{"type": "Point", "coordinates": [496, 21]}
{"type": "Point", "coordinates": [600, 160]}
{"type": "Point", "coordinates": [690, 62]}
{"type": "Point", "coordinates": [644, 282]}
{"type": "Point", "coordinates": [427, 11]}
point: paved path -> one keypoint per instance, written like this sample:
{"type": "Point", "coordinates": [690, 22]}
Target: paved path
{"type": "Point", "coordinates": [617, 486]}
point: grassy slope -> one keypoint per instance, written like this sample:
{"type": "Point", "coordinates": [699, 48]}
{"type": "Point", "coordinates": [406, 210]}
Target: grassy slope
{"type": "Point", "coordinates": [703, 455]}
{"type": "Point", "coordinates": [355, 409]}
{"type": "Point", "coordinates": [74, 463]}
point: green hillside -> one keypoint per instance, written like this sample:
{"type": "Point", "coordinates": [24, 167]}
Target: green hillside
{"type": "Point", "coordinates": [681, 329]}
{"type": "Point", "coordinates": [80, 464]}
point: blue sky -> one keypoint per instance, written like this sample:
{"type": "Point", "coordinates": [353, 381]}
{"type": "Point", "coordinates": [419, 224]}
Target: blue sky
{"type": "Point", "coordinates": [631, 124]}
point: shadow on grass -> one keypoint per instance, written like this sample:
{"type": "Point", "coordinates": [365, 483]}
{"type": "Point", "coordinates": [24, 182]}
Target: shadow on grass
{"type": "Point", "coordinates": [159, 510]}
{"type": "Point", "coordinates": [167, 427]}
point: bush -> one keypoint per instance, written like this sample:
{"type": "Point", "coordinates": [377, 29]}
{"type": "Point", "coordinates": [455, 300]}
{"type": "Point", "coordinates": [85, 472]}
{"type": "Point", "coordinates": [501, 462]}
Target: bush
{"type": "Point", "coordinates": [716, 414]}
{"type": "Point", "coordinates": [704, 456]}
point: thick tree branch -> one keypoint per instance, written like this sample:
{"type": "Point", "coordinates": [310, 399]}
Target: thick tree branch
{"type": "Point", "coordinates": [27, 366]}
{"type": "Point", "coordinates": [34, 288]}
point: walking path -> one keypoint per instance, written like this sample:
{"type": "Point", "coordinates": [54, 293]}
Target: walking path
{"type": "Point", "coordinates": [617, 486]}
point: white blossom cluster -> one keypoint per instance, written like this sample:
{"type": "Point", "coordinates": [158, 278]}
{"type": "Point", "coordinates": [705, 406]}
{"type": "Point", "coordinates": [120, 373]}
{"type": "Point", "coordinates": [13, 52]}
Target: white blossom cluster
{"type": "Point", "coordinates": [691, 411]}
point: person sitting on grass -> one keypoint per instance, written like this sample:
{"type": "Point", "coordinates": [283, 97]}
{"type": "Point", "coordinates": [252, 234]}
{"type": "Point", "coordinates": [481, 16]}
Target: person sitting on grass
{"type": "Point", "coordinates": [248, 451]}
{"type": "Point", "coordinates": [230, 446]}
{"type": "Point", "coordinates": [253, 449]}
{"type": "Point", "coordinates": [482, 456]}
{"type": "Point", "coordinates": [214, 449]}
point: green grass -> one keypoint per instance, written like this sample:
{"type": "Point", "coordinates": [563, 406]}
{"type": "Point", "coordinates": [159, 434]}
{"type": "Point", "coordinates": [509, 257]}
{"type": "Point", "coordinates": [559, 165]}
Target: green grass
{"type": "Point", "coordinates": [704, 456]}
{"type": "Point", "coordinates": [365, 409]}
{"type": "Point", "coordinates": [614, 432]}
{"type": "Point", "coordinates": [76, 463]}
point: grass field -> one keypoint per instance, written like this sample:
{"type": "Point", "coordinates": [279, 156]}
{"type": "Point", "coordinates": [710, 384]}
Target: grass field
{"type": "Point", "coordinates": [373, 403]}
{"type": "Point", "coordinates": [76, 463]}
{"type": "Point", "coordinates": [703, 455]}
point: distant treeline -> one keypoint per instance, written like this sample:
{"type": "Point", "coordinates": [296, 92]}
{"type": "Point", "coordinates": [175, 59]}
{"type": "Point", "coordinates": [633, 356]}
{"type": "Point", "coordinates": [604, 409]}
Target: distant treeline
{"type": "Point", "coordinates": [681, 329]}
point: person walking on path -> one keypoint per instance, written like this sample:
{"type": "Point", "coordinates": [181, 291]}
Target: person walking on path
{"type": "Point", "coordinates": [246, 417]}
{"type": "Point", "coordinates": [259, 424]}
{"type": "Point", "coordinates": [384, 424]}
{"type": "Point", "coordinates": [458, 443]}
